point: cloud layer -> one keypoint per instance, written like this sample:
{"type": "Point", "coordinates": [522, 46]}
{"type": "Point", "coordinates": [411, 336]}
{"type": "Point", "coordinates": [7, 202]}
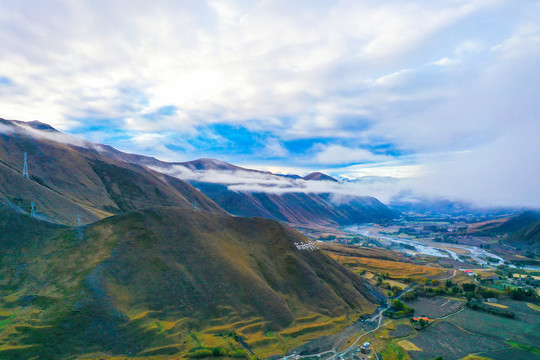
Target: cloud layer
{"type": "Point", "coordinates": [433, 92]}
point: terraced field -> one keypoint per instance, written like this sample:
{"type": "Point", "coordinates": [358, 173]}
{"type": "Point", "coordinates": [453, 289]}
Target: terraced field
{"type": "Point", "coordinates": [435, 307]}
{"type": "Point", "coordinates": [396, 269]}
{"type": "Point", "coordinates": [451, 341]}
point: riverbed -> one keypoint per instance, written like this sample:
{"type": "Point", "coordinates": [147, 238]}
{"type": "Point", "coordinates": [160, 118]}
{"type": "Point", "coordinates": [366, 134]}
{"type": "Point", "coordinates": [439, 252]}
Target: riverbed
{"type": "Point", "coordinates": [477, 254]}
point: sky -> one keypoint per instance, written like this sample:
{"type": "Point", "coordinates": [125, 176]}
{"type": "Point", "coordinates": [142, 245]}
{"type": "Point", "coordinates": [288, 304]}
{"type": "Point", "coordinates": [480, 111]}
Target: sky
{"type": "Point", "coordinates": [444, 95]}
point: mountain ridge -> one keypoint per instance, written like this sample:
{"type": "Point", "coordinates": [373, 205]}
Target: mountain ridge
{"type": "Point", "coordinates": [278, 197]}
{"type": "Point", "coordinates": [67, 180]}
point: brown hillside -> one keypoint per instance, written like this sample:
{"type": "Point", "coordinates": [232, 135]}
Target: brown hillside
{"type": "Point", "coordinates": [106, 288]}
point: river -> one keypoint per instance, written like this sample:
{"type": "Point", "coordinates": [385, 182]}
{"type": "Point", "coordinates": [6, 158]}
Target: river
{"type": "Point", "coordinates": [477, 254]}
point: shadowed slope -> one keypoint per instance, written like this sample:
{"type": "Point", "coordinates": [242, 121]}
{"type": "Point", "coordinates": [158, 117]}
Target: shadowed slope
{"type": "Point", "coordinates": [298, 208]}
{"type": "Point", "coordinates": [292, 207]}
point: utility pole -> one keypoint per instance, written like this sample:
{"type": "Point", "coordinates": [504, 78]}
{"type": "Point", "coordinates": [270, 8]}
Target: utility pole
{"type": "Point", "coordinates": [25, 167]}
{"type": "Point", "coordinates": [33, 211]}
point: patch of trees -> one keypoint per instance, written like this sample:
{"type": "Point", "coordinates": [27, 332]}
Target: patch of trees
{"type": "Point", "coordinates": [488, 293]}
{"type": "Point", "coordinates": [398, 310]}
{"type": "Point", "coordinates": [491, 310]}
{"type": "Point", "coordinates": [522, 294]}
{"type": "Point", "coordinates": [204, 352]}
{"type": "Point", "coordinates": [410, 295]}
{"type": "Point", "coordinates": [374, 242]}
{"type": "Point", "coordinates": [408, 246]}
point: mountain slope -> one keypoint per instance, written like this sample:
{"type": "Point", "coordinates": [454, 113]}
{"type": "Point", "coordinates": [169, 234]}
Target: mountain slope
{"type": "Point", "coordinates": [163, 280]}
{"type": "Point", "coordinates": [527, 238]}
{"type": "Point", "coordinates": [69, 177]}
{"type": "Point", "coordinates": [508, 225]}
{"type": "Point", "coordinates": [217, 180]}
{"type": "Point", "coordinates": [297, 207]}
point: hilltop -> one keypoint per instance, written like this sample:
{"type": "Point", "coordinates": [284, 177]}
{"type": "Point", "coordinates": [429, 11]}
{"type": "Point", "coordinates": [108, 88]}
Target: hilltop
{"type": "Point", "coordinates": [163, 280]}
{"type": "Point", "coordinates": [318, 176]}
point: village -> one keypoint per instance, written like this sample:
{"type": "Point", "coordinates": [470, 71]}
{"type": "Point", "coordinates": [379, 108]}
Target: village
{"type": "Point", "coordinates": [433, 294]}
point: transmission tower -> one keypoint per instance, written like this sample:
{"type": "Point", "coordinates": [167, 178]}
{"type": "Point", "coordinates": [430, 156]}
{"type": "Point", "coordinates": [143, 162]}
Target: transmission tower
{"type": "Point", "coordinates": [25, 167]}
{"type": "Point", "coordinates": [33, 212]}
{"type": "Point", "coordinates": [195, 205]}
{"type": "Point", "coordinates": [79, 220]}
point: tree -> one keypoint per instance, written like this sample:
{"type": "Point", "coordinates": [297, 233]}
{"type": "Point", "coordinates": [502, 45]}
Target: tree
{"type": "Point", "coordinates": [422, 323]}
{"type": "Point", "coordinates": [398, 305]}
{"type": "Point", "coordinates": [469, 287]}
{"type": "Point", "coordinates": [218, 351]}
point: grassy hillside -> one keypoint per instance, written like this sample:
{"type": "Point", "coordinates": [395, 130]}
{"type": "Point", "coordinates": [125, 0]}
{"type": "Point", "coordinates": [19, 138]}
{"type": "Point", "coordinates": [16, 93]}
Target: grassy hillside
{"type": "Point", "coordinates": [68, 180]}
{"type": "Point", "coordinates": [165, 280]}
{"type": "Point", "coordinates": [509, 225]}
{"type": "Point", "coordinates": [527, 238]}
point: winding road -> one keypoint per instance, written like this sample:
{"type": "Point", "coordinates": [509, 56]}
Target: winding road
{"type": "Point", "coordinates": [377, 316]}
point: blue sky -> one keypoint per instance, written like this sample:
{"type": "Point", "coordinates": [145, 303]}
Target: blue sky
{"type": "Point", "coordinates": [444, 93]}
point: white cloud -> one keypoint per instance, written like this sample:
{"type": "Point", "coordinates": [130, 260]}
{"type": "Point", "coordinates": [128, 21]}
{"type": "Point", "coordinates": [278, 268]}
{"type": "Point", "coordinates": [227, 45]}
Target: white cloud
{"type": "Point", "coordinates": [249, 181]}
{"type": "Point", "coordinates": [338, 154]}
{"type": "Point", "coordinates": [429, 78]}
{"type": "Point", "coordinates": [237, 61]}
{"type": "Point", "coordinates": [274, 148]}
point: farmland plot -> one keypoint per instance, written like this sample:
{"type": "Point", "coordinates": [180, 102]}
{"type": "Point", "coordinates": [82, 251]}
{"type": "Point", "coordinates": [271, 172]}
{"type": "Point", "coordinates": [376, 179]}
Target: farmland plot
{"type": "Point", "coordinates": [524, 328]}
{"type": "Point", "coordinates": [511, 353]}
{"type": "Point", "coordinates": [435, 307]}
{"type": "Point", "coordinates": [401, 331]}
{"type": "Point", "coordinates": [451, 342]}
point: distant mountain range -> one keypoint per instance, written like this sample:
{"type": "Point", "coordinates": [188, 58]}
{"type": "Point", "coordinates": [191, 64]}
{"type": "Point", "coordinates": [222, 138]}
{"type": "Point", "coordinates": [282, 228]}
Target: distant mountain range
{"type": "Point", "coordinates": [288, 198]}
{"type": "Point", "coordinates": [70, 177]}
